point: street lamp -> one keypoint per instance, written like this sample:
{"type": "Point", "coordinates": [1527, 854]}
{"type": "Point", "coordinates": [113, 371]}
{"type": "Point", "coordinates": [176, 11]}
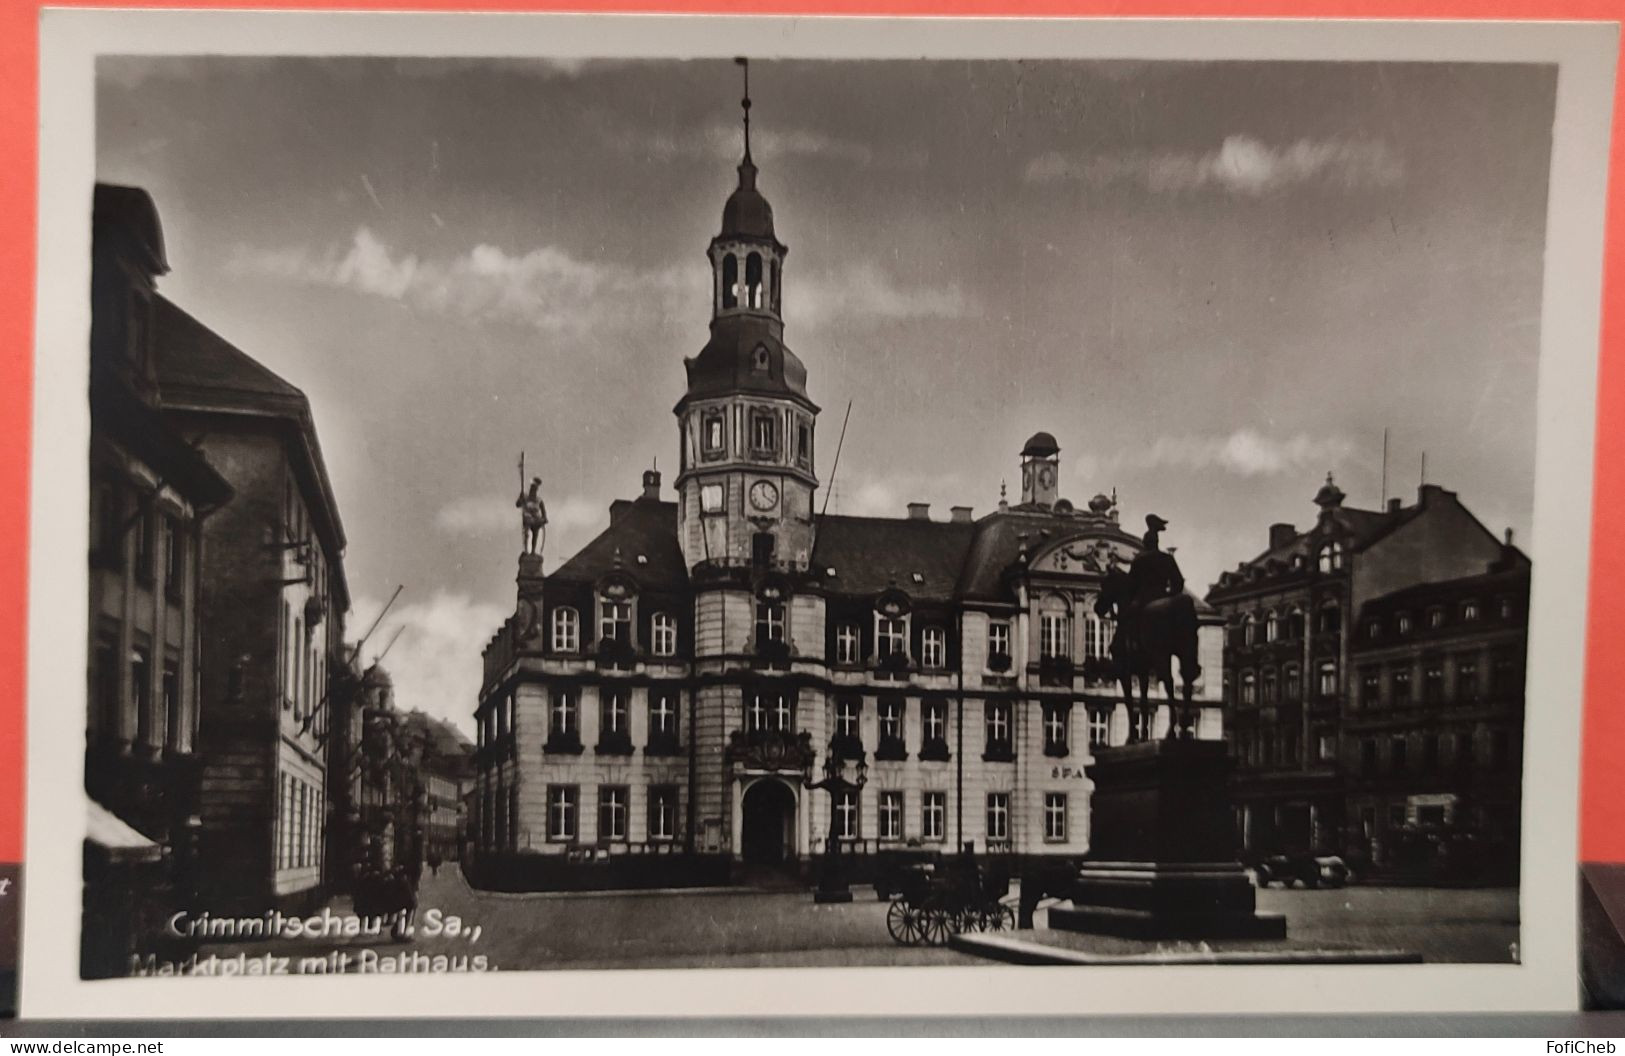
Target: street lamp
{"type": "Point", "coordinates": [832, 884]}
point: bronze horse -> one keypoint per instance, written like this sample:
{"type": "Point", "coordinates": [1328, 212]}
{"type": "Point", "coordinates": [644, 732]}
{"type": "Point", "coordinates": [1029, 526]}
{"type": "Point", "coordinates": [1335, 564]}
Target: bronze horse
{"type": "Point", "coordinates": [1145, 645]}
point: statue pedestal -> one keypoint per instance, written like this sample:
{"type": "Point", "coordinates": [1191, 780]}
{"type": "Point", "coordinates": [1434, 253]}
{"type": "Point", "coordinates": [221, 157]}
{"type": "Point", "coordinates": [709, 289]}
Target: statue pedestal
{"type": "Point", "coordinates": [1161, 850]}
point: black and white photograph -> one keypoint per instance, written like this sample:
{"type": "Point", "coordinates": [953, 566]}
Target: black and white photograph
{"type": "Point", "coordinates": [575, 512]}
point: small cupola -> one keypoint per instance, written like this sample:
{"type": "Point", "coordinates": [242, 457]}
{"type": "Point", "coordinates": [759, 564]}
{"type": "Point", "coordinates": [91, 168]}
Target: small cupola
{"type": "Point", "coordinates": [1040, 470]}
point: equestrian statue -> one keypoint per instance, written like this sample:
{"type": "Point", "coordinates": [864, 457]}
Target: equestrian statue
{"type": "Point", "coordinates": [1156, 622]}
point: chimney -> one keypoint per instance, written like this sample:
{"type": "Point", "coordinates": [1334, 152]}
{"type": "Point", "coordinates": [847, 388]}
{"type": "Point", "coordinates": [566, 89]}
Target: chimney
{"type": "Point", "coordinates": [919, 511]}
{"type": "Point", "coordinates": [959, 514]}
{"type": "Point", "coordinates": [651, 485]}
{"type": "Point", "coordinates": [1281, 534]}
{"type": "Point", "coordinates": [1393, 505]}
{"type": "Point", "coordinates": [1509, 537]}
{"type": "Point", "coordinates": [1428, 493]}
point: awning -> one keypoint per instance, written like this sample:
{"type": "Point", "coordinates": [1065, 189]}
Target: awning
{"type": "Point", "coordinates": [121, 842]}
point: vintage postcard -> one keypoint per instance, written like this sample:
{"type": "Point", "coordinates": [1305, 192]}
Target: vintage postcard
{"type": "Point", "coordinates": [714, 515]}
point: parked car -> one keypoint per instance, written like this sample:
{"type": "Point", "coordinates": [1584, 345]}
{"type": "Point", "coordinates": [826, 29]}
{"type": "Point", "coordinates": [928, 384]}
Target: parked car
{"type": "Point", "coordinates": [1308, 869]}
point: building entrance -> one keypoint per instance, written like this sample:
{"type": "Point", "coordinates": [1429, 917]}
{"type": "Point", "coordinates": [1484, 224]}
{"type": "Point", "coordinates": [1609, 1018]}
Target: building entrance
{"type": "Point", "coordinates": [768, 836]}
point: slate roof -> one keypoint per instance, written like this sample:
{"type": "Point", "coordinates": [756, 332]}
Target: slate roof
{"type": "Point", "coordinates": [1511, 572]}
{"type": "Point", "coordinates": [1361, 527]}
{"type": "Point", "coordinates": [640, 526]}
{"type": "Point", "coordinates": [998, 545]}
{"type": "Point", "coordinates": [871, 554]}
{"type": "Point", "coordinates": [200, 371]}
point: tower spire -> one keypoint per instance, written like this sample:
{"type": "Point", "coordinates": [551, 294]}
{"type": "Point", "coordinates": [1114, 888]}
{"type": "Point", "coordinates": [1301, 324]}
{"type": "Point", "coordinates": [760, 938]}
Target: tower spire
{"type": "Point", "coordinates": [744, 104]}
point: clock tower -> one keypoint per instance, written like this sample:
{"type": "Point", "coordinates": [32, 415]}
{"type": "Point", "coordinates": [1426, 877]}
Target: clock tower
{"type": "Point", "coordinates": [1040, 471]}
{"type": "Point", "coordinates": [745, 482]}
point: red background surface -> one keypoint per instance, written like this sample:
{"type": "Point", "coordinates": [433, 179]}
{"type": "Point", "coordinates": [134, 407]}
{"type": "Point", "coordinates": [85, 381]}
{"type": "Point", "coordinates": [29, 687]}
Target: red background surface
{"type": "Point", "coordinates": [1602, 835]}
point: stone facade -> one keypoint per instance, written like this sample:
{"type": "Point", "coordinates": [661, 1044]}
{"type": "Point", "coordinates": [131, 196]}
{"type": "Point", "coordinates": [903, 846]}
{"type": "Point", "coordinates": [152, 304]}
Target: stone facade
{"type": "Point", "coordinates": [669, 692]}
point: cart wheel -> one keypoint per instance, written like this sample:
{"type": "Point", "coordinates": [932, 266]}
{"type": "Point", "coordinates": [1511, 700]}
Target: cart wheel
{"type": "Point", "coordinates": [939, 926]}
{"type": "Point", "coordinates": [998, 917]}
{"type": "Point", "coordinates": [905, 923]}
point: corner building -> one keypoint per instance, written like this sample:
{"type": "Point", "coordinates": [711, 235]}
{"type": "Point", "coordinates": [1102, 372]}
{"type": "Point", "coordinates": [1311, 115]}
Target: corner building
{"type": "Point", "coordinates": [654, 709]}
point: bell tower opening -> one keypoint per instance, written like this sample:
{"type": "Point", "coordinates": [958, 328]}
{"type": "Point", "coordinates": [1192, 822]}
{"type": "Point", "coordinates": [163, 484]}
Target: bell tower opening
{"type": "Point", "coordinates": [1040, 471]}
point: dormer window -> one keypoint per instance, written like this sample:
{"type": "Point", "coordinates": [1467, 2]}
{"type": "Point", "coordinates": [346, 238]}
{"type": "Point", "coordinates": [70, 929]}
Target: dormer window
{"type": "Point", "coordinates": [759, 360]}
{"type": "Point", "coordinates": [1469, 611]}
{"type": "Point", "coordinates": [566, 630]}
{"type": "Point", "coordinates": [615, 621]}
{"type": "Point", "coordinates": [891, 636]}
{"type": "Point", "coordinates": [664, 628]}
{"type": "Point", "coordinates": [1403, 623]}
{"type": "Point", "coordinates": [934, 647]}
{"type": "Point", "coordinates": [846, 644]}
{"type": "Point", "coordinates": [1331, 557]}
{"type": "Point", "coordinates": [1435, 619]}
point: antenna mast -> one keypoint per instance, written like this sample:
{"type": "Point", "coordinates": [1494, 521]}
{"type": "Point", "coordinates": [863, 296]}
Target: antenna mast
{"type": "Point", "coordinates": [835, 467]}
{"type": "Point", "coordinates": [1383, 503]}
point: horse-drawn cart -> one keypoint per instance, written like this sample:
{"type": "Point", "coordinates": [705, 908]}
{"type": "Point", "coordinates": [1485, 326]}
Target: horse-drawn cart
{"type": "Point", "coordinates": [932, 906]}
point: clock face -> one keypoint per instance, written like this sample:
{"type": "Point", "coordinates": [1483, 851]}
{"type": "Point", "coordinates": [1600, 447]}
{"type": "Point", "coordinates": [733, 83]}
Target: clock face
{"type": "Point", "coordinates": [1046, 477]}
{"type": "Point", "coordinates": [764, 495]}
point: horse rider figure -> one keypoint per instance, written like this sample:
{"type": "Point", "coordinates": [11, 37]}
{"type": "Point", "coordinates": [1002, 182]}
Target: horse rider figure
{"type": "Point", "coordinates": [535, 516]}
{"type": "Point", "coordinates": [1154, 577]}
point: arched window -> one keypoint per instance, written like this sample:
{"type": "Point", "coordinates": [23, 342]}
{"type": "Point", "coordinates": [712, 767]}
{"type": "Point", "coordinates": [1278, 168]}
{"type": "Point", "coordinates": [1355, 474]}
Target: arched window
{"type": "Point", "coordinates": [1272, 627]}
{"type": "Point", "coordinates": [753, 281]}
{"type": "Point", "coordinates": [566, 630]}
{"type": "Point", "coordinates": [664, 628]}
{"type": "Point", "coordinates": [730, 281]}
{"type": "Point", "coordinates": [1249, 688]}
{"type": "Point", "coordinates": [1249, 630]}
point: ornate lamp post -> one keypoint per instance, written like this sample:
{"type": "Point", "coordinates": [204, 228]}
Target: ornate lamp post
{"type": "Point", "coordinates": [832, 883]}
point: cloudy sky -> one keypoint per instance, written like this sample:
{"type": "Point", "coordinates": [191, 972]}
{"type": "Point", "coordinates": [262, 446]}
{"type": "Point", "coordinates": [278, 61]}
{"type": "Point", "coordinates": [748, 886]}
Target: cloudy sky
{"type": "Point", "coordinates": [1213, 282]}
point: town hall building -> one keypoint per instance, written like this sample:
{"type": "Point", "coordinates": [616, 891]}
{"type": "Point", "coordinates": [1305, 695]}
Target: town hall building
{"type": "Point", "coordinates": [658, 706]}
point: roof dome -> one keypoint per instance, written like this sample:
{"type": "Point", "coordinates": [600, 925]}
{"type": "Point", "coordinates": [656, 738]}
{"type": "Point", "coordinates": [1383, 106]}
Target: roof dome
{"type": "Point", "coordinates": [1329, 494]}
{"type": "Point", "coordinates": [1040, 445]}
{"type": "Point", "coordinates": [747, 214]}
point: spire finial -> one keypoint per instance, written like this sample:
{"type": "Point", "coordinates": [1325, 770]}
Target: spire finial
{"type": "Point", "coordinates": [744, 103]}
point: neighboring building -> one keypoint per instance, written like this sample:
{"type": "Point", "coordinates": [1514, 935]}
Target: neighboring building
{"type": "Point", "coordinates": [273, 602]}
{"type": "Point", "coordinates": [1433, 734]}
{"type": "Point", "coordinates": [1289, 689]}
{"type": "Point", "coordinates": [671, 688]}
{"type": "Point", "coordinates": [445, 770]}
{"type": "Point", "coordinates": [150, 493]}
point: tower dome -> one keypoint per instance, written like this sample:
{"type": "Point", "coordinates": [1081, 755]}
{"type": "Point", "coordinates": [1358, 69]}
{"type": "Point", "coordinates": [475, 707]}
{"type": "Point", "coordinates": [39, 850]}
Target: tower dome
{"type": "Point", "coordinates": [747, 214]}
{"type": "Point", "coordinates": [1040, 445]}
{"type": "Point", "coordinates": [1329, 494]}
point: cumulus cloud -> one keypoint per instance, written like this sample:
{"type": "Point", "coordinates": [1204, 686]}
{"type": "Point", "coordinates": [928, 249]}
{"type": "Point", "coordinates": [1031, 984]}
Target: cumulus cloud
{"type": "Point", "coordinates": [866, 289]}
{"type": "Point", "coordinates": [1241, 165]}
{"type": "Point", "coordinates": [546, 288]}
{"type": "Point", "coordinates": [1244, 453]}
{"type": "Point", "coordinates": [722, 140]}
{"type": "Point", "coordinates": [435, 663]}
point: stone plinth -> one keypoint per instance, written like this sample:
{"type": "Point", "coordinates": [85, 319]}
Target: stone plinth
{"type": "Point", "coordinates": [1161, 849]}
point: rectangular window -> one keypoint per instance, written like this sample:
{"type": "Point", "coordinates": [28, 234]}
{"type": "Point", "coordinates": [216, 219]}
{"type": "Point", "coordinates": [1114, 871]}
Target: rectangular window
{"type": "Point", "coordinates": [562, 722]}
{"type": "Point", "coordinates": [663, 812]}
{"type": "Point", "coordinates": [141, 693]}
{"type": "Point", "coordinates": [1140, 721]}
{"type": "Point", "coordinates": [1326, 748]}
{"type": "Point", "coordinates": [998, 726]}
{"type": "Point", "coordinates": [665, 634]}
{"type": "Point", "coordinates": [711, 498]}
{"type": "Point", "coordinates": [769, 711]}
{"type": "Point", "coordinates": [846, 815]}
{"type": "Point", "coordinates": [1055, 635]}
{"type": "Point", "coordinates": [1057, 718]}
{"type": "Point", "coordinates": [891, 719]}
{"type": "Point", "coordinates": [1402, 687]}
{"type": "Point", "coordinates": [663, 719]}
{"type": "Point", "coordinates": [998, 816]}
{"type": "Point", "coordinates": [1433, 682]}
{"type": "Point", "coordinates": [764, 438]}
{"type": "Point", "coordinates": [174, 557]}
{"type": "Point", "coordinates": [1099, 727]}
{"type": "Point", "coordinates": [1054, 816]}
{"type": "Point", "coordinates": [1368, 758]}
{"type": "Point", "coordinates": [561, 812]}
{"type": "Point", "coordinates": [615, 621]}
{"type": "Point", "coordinates": [891, 637]}
{"type": "Point", "coordinates": [145, 545]}
{"type": "Point", "coordinates": [107, 524]}
{"type": "Point", "coordinates": [1466, 679]}
{"type": "Point", "coordinates": [804, 451]}
{"type": "Point", "coordinates": [170, 735]}
{"type": "Point", "coordinates": [566, 631]}
{"type": "Point", "coordinates": [612, 800]}
{"type": "Point", "coordinates": [1430, 753]}
{"type": "Point", "coordinates": [891, 815]}
{"type": "Point", "coordinates": [934, 816]}
{"type": "Point", "coordinates": [1396, 754]}
{"type": "Point", "coordinates": [1370, 689]}
{"type": "Point", "coordinates": [1328, 675]}
{"type": "Point", "coordinates": [846, 644]}
{"type": "Point", "coordinates": [711, 440]}
{"type": "Point", "coordinates": [934, 724]}
{"type": "Point", "coordinates": [934, 647]}
{"type": "Point", "coordinates": [846, 718]}
{"type": "Point", "coordinates": [998, 639]}
{"type": "Point", "coordinates": [612, 717]}
{"type": "Point", "coordinates": [769, 621]}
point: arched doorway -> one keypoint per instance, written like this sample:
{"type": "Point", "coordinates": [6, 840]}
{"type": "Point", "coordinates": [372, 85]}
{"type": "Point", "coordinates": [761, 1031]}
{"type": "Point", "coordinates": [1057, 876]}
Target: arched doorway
{"type": "Point", "coordinates": [768, 836]}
